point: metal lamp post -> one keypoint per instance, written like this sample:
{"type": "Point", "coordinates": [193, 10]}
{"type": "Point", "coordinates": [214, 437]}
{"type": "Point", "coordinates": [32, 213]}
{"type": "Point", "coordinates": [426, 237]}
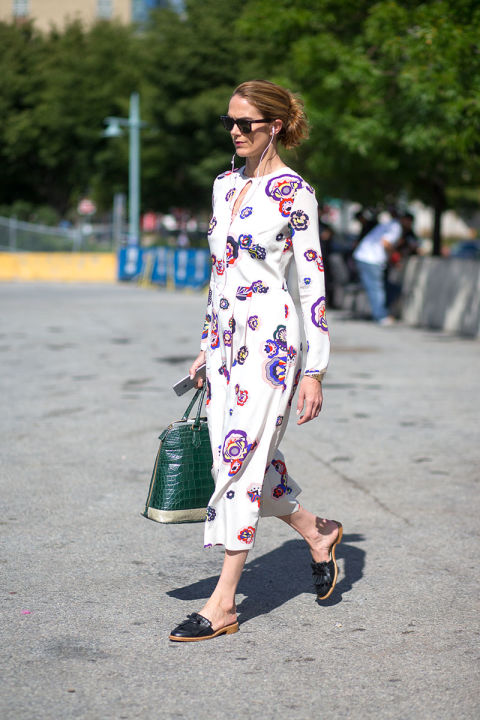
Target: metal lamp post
{"type": "Point", "coordinates": [114, 129]}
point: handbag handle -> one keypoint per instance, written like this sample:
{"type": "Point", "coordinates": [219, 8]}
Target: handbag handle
{"type": "Point", "coordinates": [200, 394]}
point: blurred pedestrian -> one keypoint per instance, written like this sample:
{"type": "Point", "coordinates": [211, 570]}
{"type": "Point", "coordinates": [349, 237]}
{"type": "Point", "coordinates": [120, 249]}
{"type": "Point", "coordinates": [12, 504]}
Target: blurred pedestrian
{"type": "Point", "coordinates": [407, 245]}
{"type": "Point", "coordinates": [368, 218]}
{"type": "Point", "coordinates": [264, 215]}
{"type": "Point", "coordinates": [371, 256]}
{"type": "Point", "coordinates": [326, 243]}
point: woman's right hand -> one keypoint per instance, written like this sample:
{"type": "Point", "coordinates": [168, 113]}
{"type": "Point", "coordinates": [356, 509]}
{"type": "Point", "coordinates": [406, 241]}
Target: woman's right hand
{"type": "Point", "coordinates": [199, 360]}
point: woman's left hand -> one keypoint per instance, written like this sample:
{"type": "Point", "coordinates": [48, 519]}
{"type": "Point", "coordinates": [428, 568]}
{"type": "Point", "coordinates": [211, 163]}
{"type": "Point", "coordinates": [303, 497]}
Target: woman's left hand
{"type": "Point", "coordinates": [310, 399]}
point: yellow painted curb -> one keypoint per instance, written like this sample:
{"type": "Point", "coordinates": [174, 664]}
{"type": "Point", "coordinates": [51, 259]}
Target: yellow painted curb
{"type": "Point", "coordinates": [59, 267]}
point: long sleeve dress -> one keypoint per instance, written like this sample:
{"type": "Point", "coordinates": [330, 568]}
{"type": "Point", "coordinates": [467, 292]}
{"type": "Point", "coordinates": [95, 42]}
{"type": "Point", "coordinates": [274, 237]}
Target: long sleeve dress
{"type": "Point", "coordinates": [252, 340]}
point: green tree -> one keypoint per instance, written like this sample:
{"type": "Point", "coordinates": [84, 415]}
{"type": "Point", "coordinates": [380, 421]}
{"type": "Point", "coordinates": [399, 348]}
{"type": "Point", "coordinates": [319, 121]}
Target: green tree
{"type": "Point", "coordinates": [21, 51]}
{"type": "Point", "coordinates": [195, 62]}
{"type": "Point", "coordinates": [392, 88]}
{"type": "Point", "coordinates": [59, 88]}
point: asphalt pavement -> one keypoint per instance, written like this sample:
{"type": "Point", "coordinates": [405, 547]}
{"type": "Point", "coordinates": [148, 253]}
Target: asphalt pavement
{"type": "Point", "coordinates": [91, 589]}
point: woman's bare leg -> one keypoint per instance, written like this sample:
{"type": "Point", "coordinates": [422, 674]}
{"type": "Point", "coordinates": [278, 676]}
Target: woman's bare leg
{"type": "Point", "coordinates": [220, 608]}
{"type": "Point", "coordinates": [319, 533]}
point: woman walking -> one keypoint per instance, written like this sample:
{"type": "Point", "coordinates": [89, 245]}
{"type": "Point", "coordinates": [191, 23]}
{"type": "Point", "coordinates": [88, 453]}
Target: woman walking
{"type": "Point", "coordinates": [264, 215]}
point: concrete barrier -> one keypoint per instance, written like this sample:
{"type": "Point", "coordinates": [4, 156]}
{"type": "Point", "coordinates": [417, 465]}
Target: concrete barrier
{"type": "Point", "coordinates": [58, 267]}
{"type": "Point", "coordinates": [442, 294]}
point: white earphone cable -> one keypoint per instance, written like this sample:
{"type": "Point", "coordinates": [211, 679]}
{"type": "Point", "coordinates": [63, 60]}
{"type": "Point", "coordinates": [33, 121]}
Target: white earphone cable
{"type": "Point", "coordinates": [272, 135]}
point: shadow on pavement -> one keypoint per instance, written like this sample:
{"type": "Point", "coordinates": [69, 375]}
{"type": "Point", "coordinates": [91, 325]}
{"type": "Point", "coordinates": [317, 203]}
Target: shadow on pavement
{"type": "Point", "coordinates": [273, 579]}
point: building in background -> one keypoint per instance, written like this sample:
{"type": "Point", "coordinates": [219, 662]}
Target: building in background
{"type": "Point", "coordinates": [46, 13]}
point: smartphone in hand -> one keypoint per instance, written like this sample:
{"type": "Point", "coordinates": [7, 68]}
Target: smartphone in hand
{"type": "Point", "coordinates": [186, 383]}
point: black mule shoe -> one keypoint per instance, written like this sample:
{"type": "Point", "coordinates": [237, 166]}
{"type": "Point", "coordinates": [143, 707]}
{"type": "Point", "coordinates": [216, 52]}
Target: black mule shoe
{"type": "Point", "coordinates": [196, 627]}
{"type": "Point", "coordinates": [325, 573]}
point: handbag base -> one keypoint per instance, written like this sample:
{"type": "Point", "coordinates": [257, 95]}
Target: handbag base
{"type": "Point", "coordinates": [176, 516]}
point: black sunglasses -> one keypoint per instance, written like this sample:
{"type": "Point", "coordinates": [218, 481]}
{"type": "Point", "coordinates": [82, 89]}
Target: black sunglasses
{"type": "Point", "coordinates": [244, 125]}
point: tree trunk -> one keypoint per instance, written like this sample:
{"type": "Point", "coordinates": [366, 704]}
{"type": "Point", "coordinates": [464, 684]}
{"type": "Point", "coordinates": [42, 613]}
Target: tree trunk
{"type": "Point", "coordinates": [439, 207]}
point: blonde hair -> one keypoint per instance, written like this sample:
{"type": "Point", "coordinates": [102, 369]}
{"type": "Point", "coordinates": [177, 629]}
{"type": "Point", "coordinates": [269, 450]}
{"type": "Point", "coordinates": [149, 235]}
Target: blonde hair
{"type": "Point", "coordinates": [277, 103]}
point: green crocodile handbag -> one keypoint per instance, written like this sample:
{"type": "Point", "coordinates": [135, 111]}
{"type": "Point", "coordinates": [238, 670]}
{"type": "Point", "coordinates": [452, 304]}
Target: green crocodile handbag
{"type": "Point", "coordinates": [182, 482]}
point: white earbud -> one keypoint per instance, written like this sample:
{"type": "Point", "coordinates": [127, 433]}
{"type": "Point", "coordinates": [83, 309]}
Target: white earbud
{"type": "Point", "coordinates": [272, 132]}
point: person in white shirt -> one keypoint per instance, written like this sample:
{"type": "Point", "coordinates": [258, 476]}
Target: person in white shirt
{"type": "Point", "coordinates": [371, 257]}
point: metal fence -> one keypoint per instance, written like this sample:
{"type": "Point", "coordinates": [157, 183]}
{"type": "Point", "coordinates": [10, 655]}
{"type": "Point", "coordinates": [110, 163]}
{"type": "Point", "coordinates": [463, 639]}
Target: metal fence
{"type": "Point", "coordinates": [19, 235]}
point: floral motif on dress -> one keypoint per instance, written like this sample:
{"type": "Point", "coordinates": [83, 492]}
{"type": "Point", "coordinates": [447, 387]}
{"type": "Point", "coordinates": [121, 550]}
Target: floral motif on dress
{"type": "Point", "coordinates": [226, 174]}
{"type": "Point", "coordinates": [312, 255]}
{"type": "Point", "coordinates": [270, 348]}
{"type": "Point", "coordinates": [242, 395]}
{"type": "Point", "coordinates": [224, 304]}
{"type": "Point", "coordinates": [246, 212]}
{"type": "Point", "coordinates": [223, 370]}
{"type": "Point", "coordinates": [253, 322]}
{"type": "Point", "coordinates": [282, 488]}
{"type": "Point", "coordinates": [285, 206]}
{"type": "Point", "coordinates": [259, 287]}
{"type": "Point", "coordinates": [283, 187]}
{"type": "Point", "coordinates": [242, 355]}
{"type": "Point", "coordinates": [214, 339]}
{"type": "Point", "coordinates": [254, 492]}
{"type": "Point", "coordinates": [275, 368]}
{"type": "Point", "coordinates": [245, 241]}
{"type": "Point", "coordinates": [319, 317]}
{"type": "Point", "coordinates": [230, 194]}
{"type": "Point", "coordinates": [299, 220]}
{"type": "Point", "coordinates": [246, 292]}
{"type": "Point", "coordinates": [247, 534]}
{"type": "Point", "coordinates": [292, 353]}
{"type": "Point", "coordinates": [235, 449]}
{"type": "Point", "coordinates": [211, 225]}
{"type": "Point", "coordinates": [206, 326]}
{"type": "Point", "coordinates": [275, 372]}
{"type": "Point", "coordinates": [211, 513]}
{"type": "Point", "coordinates": [257, 252]}
{"type": "Point", "coordinates": [231, 251]}
{"type": "Point", "coordinates": [227, 338]}
{"type": "Point", "coordinates": [280, 336]}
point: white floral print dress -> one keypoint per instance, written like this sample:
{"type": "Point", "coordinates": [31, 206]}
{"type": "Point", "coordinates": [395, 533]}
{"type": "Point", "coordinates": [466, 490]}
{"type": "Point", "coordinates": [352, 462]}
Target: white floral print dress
{"type": "Point", "coordinates": [252, 341]}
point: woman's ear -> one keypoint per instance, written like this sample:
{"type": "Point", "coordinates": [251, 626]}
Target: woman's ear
{"type": "Point", "coordinates": [276, 127]}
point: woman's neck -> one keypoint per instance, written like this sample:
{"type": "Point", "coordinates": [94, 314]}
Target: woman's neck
{"type": "Point", "coordinates": [255, 167]}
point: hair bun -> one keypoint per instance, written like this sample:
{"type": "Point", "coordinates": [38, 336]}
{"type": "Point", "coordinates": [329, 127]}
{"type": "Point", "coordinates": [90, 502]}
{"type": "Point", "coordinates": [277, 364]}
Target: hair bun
{"type": "Point", "coordinates": [276, 102]}
{"type": "Point", "coordinates": [296, 128]}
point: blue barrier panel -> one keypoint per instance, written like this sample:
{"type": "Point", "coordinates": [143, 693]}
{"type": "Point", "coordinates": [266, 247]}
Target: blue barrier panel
{"type": "Point", "coordinates": [192, 268]}
{"type": "Point", "coordinates": [183, 267]}
{"type": "Point", "coordinates": [129, 262]}
{"type": "Point", "coordinates": [160, 266]}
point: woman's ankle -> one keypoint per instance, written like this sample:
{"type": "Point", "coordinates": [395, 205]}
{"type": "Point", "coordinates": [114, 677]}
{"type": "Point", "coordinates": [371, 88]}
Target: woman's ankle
{"type": "Point", "coordinates": [223, 604]}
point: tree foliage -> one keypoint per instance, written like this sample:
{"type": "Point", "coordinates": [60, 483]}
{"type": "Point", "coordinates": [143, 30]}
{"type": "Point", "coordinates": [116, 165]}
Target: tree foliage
{"type": "Point", "coordinates": [59, 89]}
{"type": "Point", "coordinates": [392, 89]}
